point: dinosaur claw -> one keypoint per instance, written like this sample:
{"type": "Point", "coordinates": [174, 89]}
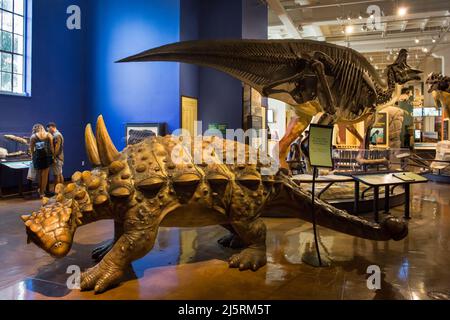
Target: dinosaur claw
{"type": "Point", "coordinates": [100, 278]}
{"type": "Point", "coordinates": [249, 259]}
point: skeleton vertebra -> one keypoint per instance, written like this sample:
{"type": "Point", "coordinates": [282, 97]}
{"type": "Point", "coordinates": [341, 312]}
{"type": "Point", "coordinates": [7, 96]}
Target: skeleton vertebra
{"type": "Point", "coordinates": [156, 183]}
{"type": "Point", "coordinates": [312, 76]}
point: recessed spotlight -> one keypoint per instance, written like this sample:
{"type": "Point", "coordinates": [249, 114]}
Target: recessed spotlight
{"type": "Point", "coordinates": [376, 67]}
{"type": "Point", "coordinates": [402, 11]}
{"type": "Point", "coordinates": [349, 29]}
{"type": "Point", "coordinates": [360, 17]}
{"type": "Point", "coordinates": [433, 40]}
{"type": "Point", "coordinates": [424, 50]}
{"type": "Point", "coordinates": [416, 40]}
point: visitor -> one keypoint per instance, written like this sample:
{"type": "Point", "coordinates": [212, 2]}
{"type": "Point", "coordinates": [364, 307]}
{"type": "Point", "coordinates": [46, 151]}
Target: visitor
{"type": "Point", "coordinates": [58, 145]}
{"type": "Point", "coordinates": [41, 148]}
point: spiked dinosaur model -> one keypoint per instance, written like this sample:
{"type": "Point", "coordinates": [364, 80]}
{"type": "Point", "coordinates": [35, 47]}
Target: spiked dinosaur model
{"type": "Point", "coordinates": [156, 183]}
{"type": "Point", "coordinates": [439, 87]}
{"type": "Point", "coordinates": [313, 76]}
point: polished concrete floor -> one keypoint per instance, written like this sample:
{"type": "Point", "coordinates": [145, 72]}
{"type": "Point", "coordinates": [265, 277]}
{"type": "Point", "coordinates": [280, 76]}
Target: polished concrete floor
{"type": "Point", "coordinates": [189, 264]}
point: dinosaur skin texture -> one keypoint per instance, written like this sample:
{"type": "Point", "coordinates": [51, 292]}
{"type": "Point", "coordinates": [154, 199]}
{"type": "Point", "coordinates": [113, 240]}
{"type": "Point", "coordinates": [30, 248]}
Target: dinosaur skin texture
{"type": "Point", "coordinates": [312, 76]}
{"type": "Point", "coordinates": [156, 183]}
{"type": "Point", "coordinates": [439, 87]}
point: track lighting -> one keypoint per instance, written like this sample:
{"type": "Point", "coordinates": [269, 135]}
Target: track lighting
{"type": "Point", "coordinates": [349, 29]}
{"type": "Point", "coordinates": [401, 11]}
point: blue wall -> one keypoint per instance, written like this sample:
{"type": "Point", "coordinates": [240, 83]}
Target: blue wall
{"type": "Point", "coordinates": [57, 87]}
{"type": "Point", "coordinates": [220, 95]}
{"type": "Point", "coordinates": [189, 30]}
{"type": "Point", "coordinates": [132, 92]}
{"type": "Point", "coordinates": [74, 77]}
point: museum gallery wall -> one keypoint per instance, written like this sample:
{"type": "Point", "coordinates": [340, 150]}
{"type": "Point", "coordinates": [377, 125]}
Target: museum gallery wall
{"type": "Point", "coordinates": [75, 77]}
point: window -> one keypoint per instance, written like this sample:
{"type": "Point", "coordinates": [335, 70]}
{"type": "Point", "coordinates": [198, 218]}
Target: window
{"type": "Point", "coordinates": [12, 46]}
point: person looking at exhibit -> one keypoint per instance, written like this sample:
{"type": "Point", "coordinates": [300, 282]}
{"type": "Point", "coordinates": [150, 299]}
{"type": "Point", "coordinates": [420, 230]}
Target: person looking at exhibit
{"type": "Point", "coordinates": [58, 145]}
{"type": "Point", "coordinates": [42, 153]}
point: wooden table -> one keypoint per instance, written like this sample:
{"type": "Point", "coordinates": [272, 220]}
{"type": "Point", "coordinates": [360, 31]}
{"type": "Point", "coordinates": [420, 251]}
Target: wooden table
{"type": "Point", "coordinates": [377, 180]}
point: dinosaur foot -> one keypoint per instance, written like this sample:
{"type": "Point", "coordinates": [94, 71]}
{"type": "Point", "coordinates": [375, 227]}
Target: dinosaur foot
{"type": "Point", "coordinates": [231, 241]}
{"type": "Point", "coordinates": [101, 251]}
{"type": "Point", "coordinates": [250, 258]}
{"type": "Point", "coordinates": [101, 277]}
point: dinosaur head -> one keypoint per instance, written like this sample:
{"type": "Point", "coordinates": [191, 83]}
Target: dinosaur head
{"type": "Point", "coordinates": [52, 228]}
{"type": "Point", "coordinates": [434, 81]}
{"type": "Point", "coordinates": [86, 199]}
{"type": "Point", "coordinates": [401, 71]}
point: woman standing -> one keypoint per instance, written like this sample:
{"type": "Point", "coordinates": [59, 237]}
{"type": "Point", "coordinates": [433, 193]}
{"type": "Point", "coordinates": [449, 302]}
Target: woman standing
{"type": "Point", "coordinates": [42, 153]}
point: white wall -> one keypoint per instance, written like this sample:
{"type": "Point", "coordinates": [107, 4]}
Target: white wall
{"type": "Point", "coordinates": [279, 116]}
{"type": "Point", "coordinates": [444, 52]}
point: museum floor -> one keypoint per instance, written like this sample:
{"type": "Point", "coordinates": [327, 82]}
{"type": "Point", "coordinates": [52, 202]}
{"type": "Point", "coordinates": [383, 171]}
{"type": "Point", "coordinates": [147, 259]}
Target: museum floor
{"type": "Point", "coordinates": [189, 264]}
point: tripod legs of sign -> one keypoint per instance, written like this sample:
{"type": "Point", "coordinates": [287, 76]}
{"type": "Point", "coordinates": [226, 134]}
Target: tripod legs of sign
{"type": "Point", "coordinates": [314, 258]}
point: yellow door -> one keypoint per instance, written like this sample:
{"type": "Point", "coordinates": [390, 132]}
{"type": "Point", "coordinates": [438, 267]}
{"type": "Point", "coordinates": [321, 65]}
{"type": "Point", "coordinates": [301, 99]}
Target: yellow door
{"type": "Point", "coordinates": [189, 115]}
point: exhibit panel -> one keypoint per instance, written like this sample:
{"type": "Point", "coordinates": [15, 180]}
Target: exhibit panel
{"type": "Point", "coordinates": [224, 150]}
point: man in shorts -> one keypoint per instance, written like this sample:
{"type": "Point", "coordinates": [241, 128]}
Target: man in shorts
{"type": "Point", "coordinates": [58, 142]}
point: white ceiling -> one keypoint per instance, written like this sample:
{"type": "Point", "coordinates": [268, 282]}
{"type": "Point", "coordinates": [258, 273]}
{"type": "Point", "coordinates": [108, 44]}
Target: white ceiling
{"type": "Point", "coordinates": [422, 30]}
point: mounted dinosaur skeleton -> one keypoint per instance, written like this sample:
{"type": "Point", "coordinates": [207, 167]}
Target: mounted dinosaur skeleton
{"type": "Point", "coordinates": [312, 76]}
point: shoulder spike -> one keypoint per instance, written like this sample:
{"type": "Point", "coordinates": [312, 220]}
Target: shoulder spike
{"type": "Point", "coordinates": [91, 146]}
{"type": "Point", "coordinates": [106, 149]}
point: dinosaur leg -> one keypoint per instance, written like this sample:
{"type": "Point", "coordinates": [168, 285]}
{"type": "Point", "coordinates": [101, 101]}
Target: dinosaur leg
{"type": "Point", "coordinates": [295, 128]}
{"type": "Point", "coordinates": [231, 240]}
{"type": "Point", "coordinates": [319, 69]}
{"type": "Point", "coordinates": [137, 240]}
{"type": "Point", "coordinates": [102, 250]}
{"type": "Point", "coordinates": [355, 133]}
{"type": "Point", "coordinates": [254, 236]}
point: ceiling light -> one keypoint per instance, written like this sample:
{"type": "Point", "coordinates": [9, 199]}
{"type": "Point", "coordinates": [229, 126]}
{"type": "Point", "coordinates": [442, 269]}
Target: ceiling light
{"type": "Point", "coordinates": [433, 40]}
{"type": "Point", "coordinates": [349, 18]}
{"type": "Point", "coordinates": [349, 29]}
{"type": "Point", "coordinates": [424, 50]}
{"type": "Point", "coordinates": [376, 67]}
{"type": "Point", "coordinates": [370, 58]}
{"type": "Point", "coordinates": [402, 11]}
{"type": "Point", "coordinates": [360, 16]}
{"type": "Point", "coordinates": [416, 40]}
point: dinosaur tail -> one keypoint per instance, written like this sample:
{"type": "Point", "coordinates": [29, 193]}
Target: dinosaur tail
{"type": "Point", "coordinates": [391, 228]}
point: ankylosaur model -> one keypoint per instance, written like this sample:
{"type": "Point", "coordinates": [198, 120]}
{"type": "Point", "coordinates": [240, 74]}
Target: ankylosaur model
{"type": "Point", "coordinates": [157, 183]}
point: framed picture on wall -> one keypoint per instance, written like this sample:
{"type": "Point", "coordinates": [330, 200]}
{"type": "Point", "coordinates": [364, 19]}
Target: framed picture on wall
{"type": "Point", "coordinates": [136, 132]}
{"type": "Point", "coordinates": [380, 131]}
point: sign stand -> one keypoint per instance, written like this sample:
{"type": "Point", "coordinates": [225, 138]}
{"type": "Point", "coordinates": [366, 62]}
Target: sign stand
{"type": "Point", "coordinates": [320, 153]}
